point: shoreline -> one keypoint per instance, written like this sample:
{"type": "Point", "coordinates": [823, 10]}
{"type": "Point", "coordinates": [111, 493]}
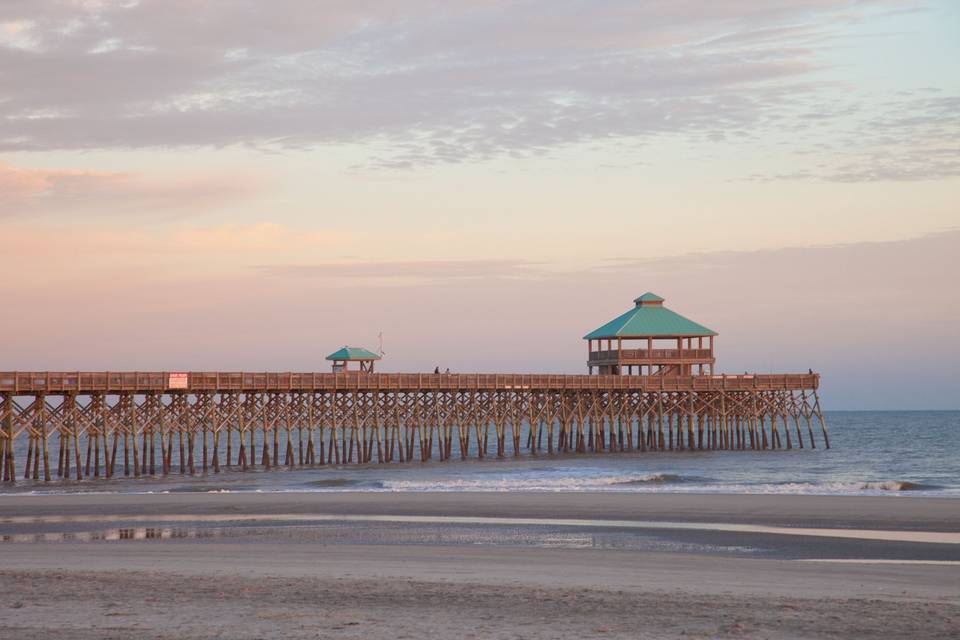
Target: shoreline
{"type": "Point", "coordinates": [872, 489]}
{"type": "Point", "coordinates": [875, 512]}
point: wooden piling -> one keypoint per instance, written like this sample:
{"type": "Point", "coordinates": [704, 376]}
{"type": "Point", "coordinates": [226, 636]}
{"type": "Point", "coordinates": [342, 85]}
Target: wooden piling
{"type": "Point", "coordinates": [386, 418]}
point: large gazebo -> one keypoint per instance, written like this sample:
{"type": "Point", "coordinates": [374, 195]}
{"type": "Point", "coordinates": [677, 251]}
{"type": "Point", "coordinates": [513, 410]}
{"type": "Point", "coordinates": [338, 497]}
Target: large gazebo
{"type": "Point", "coordinates": [343, 357]}
{"type": "Point", "coordinates": [651, 340]}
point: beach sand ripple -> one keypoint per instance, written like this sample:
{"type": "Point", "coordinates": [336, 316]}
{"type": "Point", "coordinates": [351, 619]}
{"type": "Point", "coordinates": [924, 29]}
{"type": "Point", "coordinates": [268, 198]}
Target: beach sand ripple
{"type": "Point", "coordinates": [146, 605]}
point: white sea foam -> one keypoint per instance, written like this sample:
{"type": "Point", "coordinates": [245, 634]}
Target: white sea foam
{"type": "Point", "coordinates": [530, 482]}
{"type": "Point", "coordinates": [651, 483]}
{"type": "Point", "coordinates": [566, 481]}
{"type": "Point", "coordinates": [821, 488]}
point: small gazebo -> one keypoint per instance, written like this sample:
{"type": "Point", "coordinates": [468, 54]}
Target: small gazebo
{"type": "Point", "coordinates": [343, 357]}
{"type": "Point", "coordinates": [664, 343]}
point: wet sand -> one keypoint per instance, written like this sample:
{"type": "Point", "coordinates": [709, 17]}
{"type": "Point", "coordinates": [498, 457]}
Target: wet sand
{"type": "Point", "coordinates": [911, 513]}
{"type": "Point", "coordinates": [293, 580]}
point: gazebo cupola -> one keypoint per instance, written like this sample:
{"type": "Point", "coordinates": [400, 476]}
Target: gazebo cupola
{"type": "Point", "coordinates": [651, 340]}
{"type": "Point", "coordinates": [343, 357]}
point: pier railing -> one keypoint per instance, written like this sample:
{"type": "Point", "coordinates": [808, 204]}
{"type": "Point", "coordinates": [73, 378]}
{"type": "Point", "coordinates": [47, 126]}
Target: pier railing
{"type": "Point", "coordinates": [651, 354]}
{"type": "Point", "coordinates": [111, 382]}
{"type": "Point", "coordinates": [104, 422]}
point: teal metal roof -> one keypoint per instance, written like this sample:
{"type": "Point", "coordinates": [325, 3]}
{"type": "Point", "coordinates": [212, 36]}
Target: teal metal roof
{"type": "Point", "coordinates": [353, 353]}
{"type": "Point", "coordinates": [649, 318]}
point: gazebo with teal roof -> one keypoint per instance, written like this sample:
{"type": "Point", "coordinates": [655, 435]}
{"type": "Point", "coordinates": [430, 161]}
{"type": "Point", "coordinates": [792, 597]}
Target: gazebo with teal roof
{"type": "Point", "coordinates": [669, 344]}
{"type": "Point", "coordinates": [343, 357]}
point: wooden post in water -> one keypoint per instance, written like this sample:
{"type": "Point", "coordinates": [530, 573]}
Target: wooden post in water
{"type": "Point", "coordinates": [9, 466]}
{"type": "Point", "coordinates": [823, 423]}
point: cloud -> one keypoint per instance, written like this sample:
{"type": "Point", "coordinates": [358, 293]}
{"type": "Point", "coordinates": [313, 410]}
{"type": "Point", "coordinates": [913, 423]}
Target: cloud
{"type": "Point", "coordinates": [257, 237]}
{"type": "Point", "coordinates": [847, 267]}
{"type": "Point", "coordinates": [877, 319]}
{"type": "Point", "coordinates": [913, 136]}
{"type": "Point", "coordinates": [416, 270]}
{"type": "Point", "coordinates": [419, 82]}
{"type": "Point", "coordinates": [31, 191]}
{"type": "Point", "coordinates": [171, 246]}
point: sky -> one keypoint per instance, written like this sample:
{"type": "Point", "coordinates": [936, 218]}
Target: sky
{"type": "Point", "coordinates": [200, 185]}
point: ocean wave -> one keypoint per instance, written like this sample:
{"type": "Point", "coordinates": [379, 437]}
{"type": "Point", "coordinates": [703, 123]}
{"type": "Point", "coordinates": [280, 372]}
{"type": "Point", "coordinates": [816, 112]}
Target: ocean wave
{"type": "Point", "coordinates": [884, 487]}
{"type": "Point", "coordinates": [347, 483]}
{"type": "Point", "coordinates": [648, 483]}
{"type": "Point", "coordinates": [541, 479]}
{"type": "Point", "coordinates": [658, 478]}
{"type": "Point", "coordinates": [854, 487]}
{"type": "Point", "coordinates": [534, 483]}
{"type": "Point", "coordinates": [332, 482]}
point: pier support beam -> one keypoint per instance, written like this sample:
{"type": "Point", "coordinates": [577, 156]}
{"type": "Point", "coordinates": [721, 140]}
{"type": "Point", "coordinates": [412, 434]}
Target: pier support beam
{"type": "Point", "coordinates": [384, 418]}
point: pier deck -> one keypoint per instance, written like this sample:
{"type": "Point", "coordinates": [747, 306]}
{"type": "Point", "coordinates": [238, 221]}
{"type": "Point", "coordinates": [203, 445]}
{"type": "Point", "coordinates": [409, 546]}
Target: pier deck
{"type": "Point", "coordinates": [148, 423]}
{"type": "Point", "coordinates": [49, 382]}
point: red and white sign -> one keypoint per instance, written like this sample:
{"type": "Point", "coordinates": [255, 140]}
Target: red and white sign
{"type": "Point", "coordinates": [178, 381]}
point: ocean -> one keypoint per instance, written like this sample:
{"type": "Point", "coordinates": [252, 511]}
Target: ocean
{"type": "Point", "coordinates": [884, 453]}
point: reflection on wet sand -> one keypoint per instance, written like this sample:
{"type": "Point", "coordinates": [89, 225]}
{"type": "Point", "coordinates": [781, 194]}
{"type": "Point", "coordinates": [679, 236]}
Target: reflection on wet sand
{"type": "Point", "coordinates": [936, 537]}
{"type": "Point", "coordinates": [385, 535]}
{"type": "Point", "coordinates": [111, 535]}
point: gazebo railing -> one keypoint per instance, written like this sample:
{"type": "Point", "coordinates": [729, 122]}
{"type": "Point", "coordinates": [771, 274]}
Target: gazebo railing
{"type": "Point", "coordinates": [651, 354]}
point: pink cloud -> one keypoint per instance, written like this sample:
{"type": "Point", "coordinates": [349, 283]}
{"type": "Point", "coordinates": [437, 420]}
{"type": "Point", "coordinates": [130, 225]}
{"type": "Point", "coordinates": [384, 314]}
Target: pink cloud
{"type": "Point", "coordinates": [66, 191]}
{"type": "Point", "coordinates": [76, 255]}
{"type": "Point", "coordinates": [406, 270]}
{"type": "Point", "coordinates": [255, 237]}
{"type": "Point", "coordinates": [875, 318]}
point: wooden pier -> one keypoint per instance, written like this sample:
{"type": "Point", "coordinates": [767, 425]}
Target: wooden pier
{"type": "Point", "coordinates": [105, 424]}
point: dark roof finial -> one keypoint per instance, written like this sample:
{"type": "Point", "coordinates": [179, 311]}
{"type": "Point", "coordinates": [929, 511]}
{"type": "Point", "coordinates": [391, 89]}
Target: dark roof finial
{"type": "Point", "coordinates": [648, 298]}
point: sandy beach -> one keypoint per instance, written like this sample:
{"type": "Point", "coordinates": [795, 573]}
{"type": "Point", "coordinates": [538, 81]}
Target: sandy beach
{"type": "Point", "coordinates": [351, 565]}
